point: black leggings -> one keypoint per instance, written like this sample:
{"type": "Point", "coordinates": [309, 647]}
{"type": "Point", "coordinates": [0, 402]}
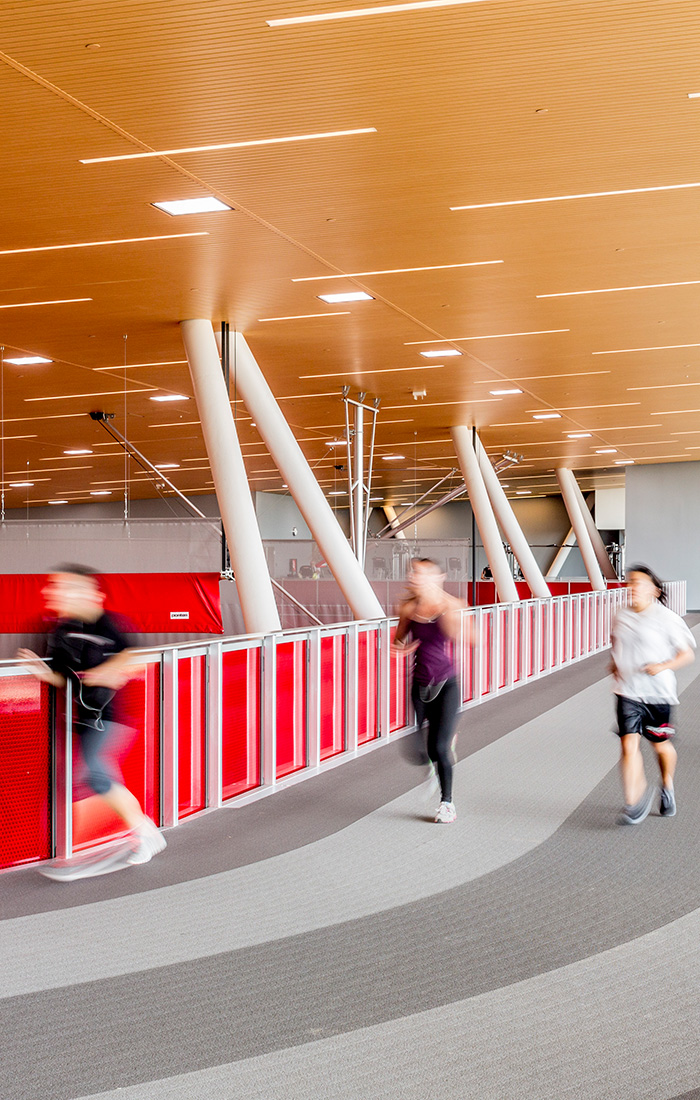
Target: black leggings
{"type": "Point", "coordinates": [440, 715]}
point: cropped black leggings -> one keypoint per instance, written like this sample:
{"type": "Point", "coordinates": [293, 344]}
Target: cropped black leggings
{"type": "Point", "coordinates": [440, 715]}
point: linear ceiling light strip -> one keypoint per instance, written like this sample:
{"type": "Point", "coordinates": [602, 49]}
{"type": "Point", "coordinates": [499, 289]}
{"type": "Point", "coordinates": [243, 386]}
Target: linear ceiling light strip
{"type": "Point", "coordinates": [356, 13]}
{"type": "Point", "coordinates": [230, 145]}
{"type": "Point", "coordinates": [94, 244]}
{"type": "Point", "coordinates": [582, 195]}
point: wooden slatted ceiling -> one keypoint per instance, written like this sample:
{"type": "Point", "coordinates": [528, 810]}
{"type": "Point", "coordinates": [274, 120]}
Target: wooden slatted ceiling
{"type": "Point", "coordinates": [488, 102]}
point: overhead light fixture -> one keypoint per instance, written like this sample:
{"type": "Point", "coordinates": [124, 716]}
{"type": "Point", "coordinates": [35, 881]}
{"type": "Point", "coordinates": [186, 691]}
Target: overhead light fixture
{"type": "Point", "coordinates": [503, 393]}
{"type": "Point", "coordinates": [57, 502]}
{"type": "Point", "coordinates": [491, 336]}
{"type": "Point", "coordinates": [100, 492]}
{"type": "Point", "coordinates": [523, 492]}
{"type": "Point", "coordinates": [394, 271]}
{"type": "Point", "coordinates": [578, 435]}
{"type": "Point", "coordinates": [95, 244]}
{"type": "Point", "coordinates": [230, 145]}
{"type": "Point", "coordinates": [102, 393]}
{"type": "Point", "coordinates": [582, 195]}
{"type": "Point", "coordinates": [658, 347]}
{"type": "Point", "coordinates": [441, 354]}
{"type": "Point", "coordinates": [28, 360]}
{"type": "Point", "coordinates": [624, 462]}
{"type": "Point", "coordinates": [615, 289]}
{"type": "Point", "coordinates": [606, 451]}
{"type": "Point", "coordinates": [347, 296]}
{"type": "Point", "coordinates": [79, 451]}
{"type": "Point", "coordinates": [547, 416]}
{"type": "Point", "coordinates": [167, 465]}
{"type": "Point", "coordinates": [305, 316]}
{"type": "Point", "coordinates": [169, 397]}
{"type": "Point", "coordinates": [392, 458]}
{"type": "Point", "coordinates": [336, 493]}
{"type": "Point", "coordinates": [383, 370]}
{"type": "Point", "coordinates": [335, 443]}
{"type": "Point", "coordinates": [52, 302]}
{"type": "Point", "coordinates": [21, 484]}
{"type": "Point", "coordinates": [192, 206]}
{"type": "Point", "coordinates": [355, 13]}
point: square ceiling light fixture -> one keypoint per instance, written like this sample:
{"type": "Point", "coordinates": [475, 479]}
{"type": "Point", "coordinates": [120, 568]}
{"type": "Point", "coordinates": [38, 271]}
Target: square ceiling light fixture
{"type": "Point", "coordinates": [347, 296]}
{"type": "Point", "coordinates": [28, 360]}
{"type": "Point", "coordinates": [192, 206]}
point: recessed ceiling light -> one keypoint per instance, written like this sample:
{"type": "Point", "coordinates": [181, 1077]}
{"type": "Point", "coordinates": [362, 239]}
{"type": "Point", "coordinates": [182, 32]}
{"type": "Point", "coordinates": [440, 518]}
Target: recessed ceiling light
{"type": "Point", "coordinates": [337, 493]}
{"type": "Point", "coordinates": [52, 302]}
{"type": "Point", "coordinates": [21, 484]}
{"type": "Point", "coordinates": [355, 13]}
{"type": "Point", "coordinates": [230, 145]}
{"type": "Point", "coordinates": [102, 393]}
{"type": "Point", "coordinates": [615, 289]}
{"type": "Point", "coordinates": [348, 296]}
{"type": "Point", "coordinates": [306, 316]}
{"type": "Point", "coordinates": [394, 271]}
{"type": "Point", "coordinates": [392, 458]}
{"type": "Point", "coordinates": [100, 492]}
{"type": "Point", "coordinates": [578, 435]}
{"type": "Point", "coordinates": [95, 244]}
{"type": "Point", "coordinates": [491, 336]}
{"type": "Point", "coordinates": [192, 206]}
{"type": "Point", "coordinates": [441, 354]}
{"type": "Point", "coordinates": [606, 451]}
{"type": "Point", "coordinates": [502, 393]}
{"type": "Point", "coordinates": [582, 195]}
{"type": "Point", "coordinates": [79, 451]}
{"type": "Point", "coordinates": [523, 492]}
{"type": "Point", "coordinates": [169, 397]}
{"type": "Point", "coordinates": [57, 502]}
{"type": "Point", "coordinates": [167, 466]}
{"type": "Point", "coordinates": [624, 462]}
{"type": "Point", "coordinates": [28, 360]}
{"type": "Point", "coordinates": [658, 347]}
{"type": "Point", "coordinates": [547, 416]}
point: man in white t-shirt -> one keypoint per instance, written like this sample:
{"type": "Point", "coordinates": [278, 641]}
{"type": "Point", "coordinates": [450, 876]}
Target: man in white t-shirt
{"type": "Point", "coordinates": [649, 642]}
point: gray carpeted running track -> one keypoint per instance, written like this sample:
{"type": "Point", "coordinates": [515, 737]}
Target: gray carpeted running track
{"type": "Point", "coordinates": [331, 942]}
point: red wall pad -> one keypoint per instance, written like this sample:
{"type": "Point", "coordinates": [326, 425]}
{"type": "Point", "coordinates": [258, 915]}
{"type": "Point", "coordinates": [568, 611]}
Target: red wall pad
{"type": "Point", "coordinates": [148, 603]}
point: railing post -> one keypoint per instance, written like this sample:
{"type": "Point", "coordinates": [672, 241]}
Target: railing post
{"type": "Point", "coordinates": [494, 670]}
{"type": "Point", "coordinates": [169, 740]}
{"type": "Point", "coordinates": [477, 668]}
{"type": "Point", "coordinates": [313, 698]}
{"type": "Point", "coordinates": [268, 712]}
{"type": "Point", "coordinates": [63, 776]}
{"type": "Point", "coordinates": [351, 687]}
{"type": "Point", "coordinates": [384, 678]}
{"type": "Point", "coordinates": [537, 642]}
{"type": "Point", "coordinates": [214, 724]}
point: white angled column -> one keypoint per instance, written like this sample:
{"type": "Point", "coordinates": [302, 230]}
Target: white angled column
{"type": "Point", "coordinates": [230, 479]}
{"type": "Point", "coordinates": [564, 550]}
{"type": "Point", "coordinates": [291, 463]}
{"type": "Point", "coordinates": [511, 528]}
{"type": "Point", "coordinates": [483, 514]}
{"type": "Point", "coordinates": [594, 535]}
{"type": "Point", "coordinates": [392, 519]}
{"type": "Point", "coordinates": [567, 484]}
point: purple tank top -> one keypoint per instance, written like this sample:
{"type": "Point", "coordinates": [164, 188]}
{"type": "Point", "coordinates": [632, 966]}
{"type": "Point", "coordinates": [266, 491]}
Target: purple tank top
{"type": "Point", "coordinates": [433, 657]}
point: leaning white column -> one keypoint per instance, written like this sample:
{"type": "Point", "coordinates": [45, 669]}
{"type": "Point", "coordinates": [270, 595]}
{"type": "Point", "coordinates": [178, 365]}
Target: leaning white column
{"type": "Point", "coordinates": [230, 479]}
{"type": "Point", "coordinates": [483, 514]}
{"type": "Point", "coordinates": [567, 484]}
{"type": "Point", "coordinates": [392, 519]}
{"type": "Point", "coordinates": [594, 534]}
{"type": "Point", "coordinates": [511, 528]}
{"type": "Point", "coordinates": [564, 550]}
{"type": "Point", "coordinates": [291, 463]}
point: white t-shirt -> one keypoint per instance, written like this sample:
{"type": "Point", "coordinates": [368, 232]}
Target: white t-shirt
{"type": "Point", "coordinates": [641, 638]}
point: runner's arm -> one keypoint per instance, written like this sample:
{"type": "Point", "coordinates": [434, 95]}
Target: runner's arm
{"type": "Point", "coordinates": [40, 669]}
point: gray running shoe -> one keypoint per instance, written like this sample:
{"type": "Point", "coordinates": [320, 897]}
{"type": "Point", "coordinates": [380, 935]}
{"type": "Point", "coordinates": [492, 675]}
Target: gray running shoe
{"type": "Point", "coordinates": [634, 815]}
{"type": "Point", "coordinates": [667, 802]}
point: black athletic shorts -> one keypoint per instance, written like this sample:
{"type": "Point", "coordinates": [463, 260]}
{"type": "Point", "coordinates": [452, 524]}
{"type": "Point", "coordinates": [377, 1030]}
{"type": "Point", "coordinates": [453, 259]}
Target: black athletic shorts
{"type": "Point", "coordinates": [652, 720]}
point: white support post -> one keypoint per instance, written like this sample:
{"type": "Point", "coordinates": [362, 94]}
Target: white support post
{"type": "Point", "coordinates": [392, 519]}
{"type": "Point", "coordinates": [313, 697]}
{"type": "Point", "coordinates": [594, 534]}
{"type": "Point", "coordinates": [483, 513]}
{"type": "Point", "coordinates": [169, 740]}
{"type": "Point", "coordinates": [268, 713]}
{"type": "Point", "coordinates": [63, 774]}
{"type": "Point", "coordinates": [567, 484]}
{"type": "Point", "coordinates": [565, 548]}
{"type": "Point", "coordinates": [304, 487]}
{"type": "Point", "coordinates": [384, 679]}
{"type": "Point", "coordinates": [510, 526]}
{"type": "Point", "coordinates": [351, 708]}
{"type": "Point", "coordinates": [253, 583]}
{"type": "Point", "coordinates": [214, 725]}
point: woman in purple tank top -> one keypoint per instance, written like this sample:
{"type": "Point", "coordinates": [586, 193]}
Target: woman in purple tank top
{"type": "Point", "coordinates": [432, 619]}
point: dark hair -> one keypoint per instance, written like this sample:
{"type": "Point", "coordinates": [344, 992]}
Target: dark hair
{"type": "Point", "coordinates": [427, 561]}
{"type": "Point", "coordinates": [656, 581]}
{"type": "Point", "coordinates": [76, 570]}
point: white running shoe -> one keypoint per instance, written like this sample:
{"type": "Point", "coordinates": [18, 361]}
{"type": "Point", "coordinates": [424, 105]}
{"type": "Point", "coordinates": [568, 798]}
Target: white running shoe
{"type": "Point", "coordinates": [446, 813]}
{"type": "Point", "coordinates": [150, 841]}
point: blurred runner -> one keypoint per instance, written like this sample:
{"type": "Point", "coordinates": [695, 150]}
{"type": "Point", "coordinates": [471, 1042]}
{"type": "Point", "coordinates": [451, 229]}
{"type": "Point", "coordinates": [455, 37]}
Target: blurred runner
{"type": "Point", "coordinates": [87, 648]}
{"type": "Point", "coordinates": [432, 618]}
{"type": "Point", "coordinates": [649, 642]}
